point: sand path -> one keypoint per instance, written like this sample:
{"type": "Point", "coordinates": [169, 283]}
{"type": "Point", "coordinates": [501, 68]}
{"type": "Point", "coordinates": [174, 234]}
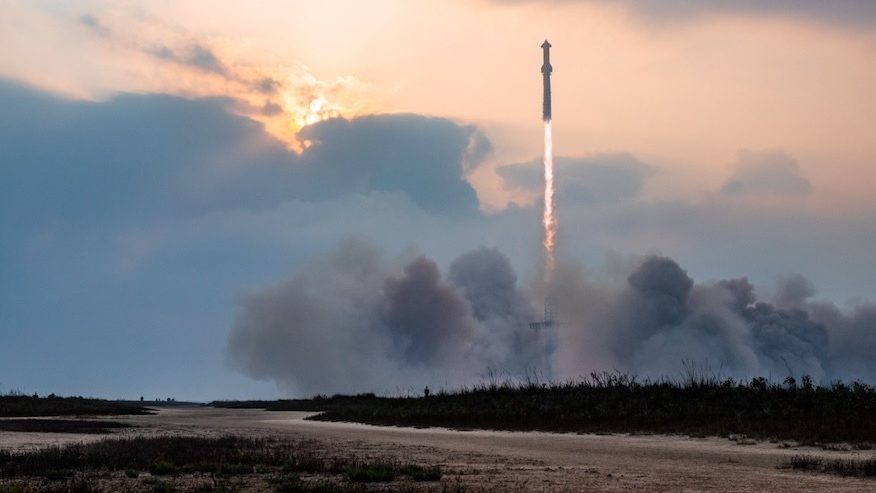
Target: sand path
{"type": "Point", "coordinates": [517, 461]}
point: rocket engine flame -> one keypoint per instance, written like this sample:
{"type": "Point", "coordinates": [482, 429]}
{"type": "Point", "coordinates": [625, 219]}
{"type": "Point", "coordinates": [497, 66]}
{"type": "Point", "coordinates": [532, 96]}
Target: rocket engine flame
{"type": "Point", "coordinates": [549, 219]}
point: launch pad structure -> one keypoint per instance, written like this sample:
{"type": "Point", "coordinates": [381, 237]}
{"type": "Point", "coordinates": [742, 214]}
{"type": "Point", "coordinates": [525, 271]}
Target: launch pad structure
{"type": "Point", "coordinates": [549, 321]}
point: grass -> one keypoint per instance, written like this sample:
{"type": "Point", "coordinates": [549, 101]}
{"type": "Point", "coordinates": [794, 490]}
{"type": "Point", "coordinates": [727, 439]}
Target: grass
{"type": "Point", "coordinates": [842, 467]}
{"type": "Point", "coordinates": [12, 488]}
{"type": "Point", "coordinates": [165, 456]}
{"type": "Point", "coordinates": [60, 426]}
{"type": "Point", "coordinates": [420, 473]}
{"type": "Point", "coordinates": [375, 472]}
{"type": "Point", "coordinates": [286, 465]}
{"type": "Point", "coordinates": [614, 402]}
{"type": "Point", "coordinates": [294, 484]}
{"type": "Point", "coordinates": [23, 405]}
{"type": "Point", "coordinates": [386, 471]}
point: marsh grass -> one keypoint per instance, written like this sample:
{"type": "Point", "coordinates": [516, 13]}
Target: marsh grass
{"type": "Point", "coordinates": [168, 456]}
{"type": "Point", "coordinates": [61, 426]}
{"type": "Point", "coordinates": [282, 463]}
{"type": "Point", "coordinates": [841, 467]}
{"type": "Point", "coordinates": [17, 405]}
{"type": "Point", "coordinates": [697, 405]}
{"type": "Point", "coordinates": [374, 472]}
{"type": "Point", "coordinates": [386, 471]}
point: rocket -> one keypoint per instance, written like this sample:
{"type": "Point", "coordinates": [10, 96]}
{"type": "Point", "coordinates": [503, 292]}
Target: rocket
{"type": "Point", "coordinates": [546, 70]}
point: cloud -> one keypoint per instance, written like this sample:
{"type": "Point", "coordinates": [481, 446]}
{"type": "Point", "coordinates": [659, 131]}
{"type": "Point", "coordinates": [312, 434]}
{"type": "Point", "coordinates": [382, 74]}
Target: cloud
{"type": "Point", "coordinates": [422, 156]}
{"type": "Point", "coordinates": [203, 58]}
{"type": "Point", "coordinates": [133, 222]}
{"type": "Point", "coordinates": [479, 147]}
{"type": "Point", "coordinates": [595, 180]}
{"type": "Point", "coordinates": [861, 13]}
{"type": "Point", "coordinates": [267, 85]}
{"type": "Point", "coordinates": [766, 173]}
{"type": "Point", "coordinates": [720, 238]}
{"type": "Point", "coordinates": [93, 23]}
{"type": "Point", "coordinates": [284, 97]}
{"type": "Point", "coordinates": [135, 158]}
{"type": "Point", "coordinates": [270, 109]}
{"type": "Point", "coordinates": [194, 55]}
{"type": "Point", "coordinates": [144, 158]}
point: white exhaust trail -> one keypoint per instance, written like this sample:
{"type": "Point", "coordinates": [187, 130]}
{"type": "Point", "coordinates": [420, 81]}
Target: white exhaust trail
{"type": "Point", "coordinates": [549, 219]}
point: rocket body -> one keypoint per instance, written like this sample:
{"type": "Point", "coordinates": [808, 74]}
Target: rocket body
{"type": "Point", "coordinates": [546, 70]}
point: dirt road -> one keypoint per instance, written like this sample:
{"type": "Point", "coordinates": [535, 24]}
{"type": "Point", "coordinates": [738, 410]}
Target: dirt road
{"type": "Point", "coordinates": [515, 461]}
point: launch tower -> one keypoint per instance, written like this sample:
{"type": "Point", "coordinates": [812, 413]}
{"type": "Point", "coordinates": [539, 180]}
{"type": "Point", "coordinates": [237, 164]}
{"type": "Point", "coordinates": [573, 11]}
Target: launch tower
{"type": "Point", "coordinates": [549, 321]}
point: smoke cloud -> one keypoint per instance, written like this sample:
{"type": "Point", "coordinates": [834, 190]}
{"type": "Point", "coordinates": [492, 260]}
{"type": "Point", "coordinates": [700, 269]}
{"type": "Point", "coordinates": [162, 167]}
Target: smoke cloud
{"type": "Point", "coordinates": [658, 318]}
{"type": "Point", "coordinates": [352, 321]}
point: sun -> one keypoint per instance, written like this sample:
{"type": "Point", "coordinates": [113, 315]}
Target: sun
{"type": "Point", "coordinates": [316, 110]}
{"type": "Point", "coordinates": [296, 113]}
{"type": "Point", "coordinates": [299, 99]}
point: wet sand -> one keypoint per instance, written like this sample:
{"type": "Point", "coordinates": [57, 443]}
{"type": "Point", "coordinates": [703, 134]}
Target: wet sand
{"type": "Point", "coordinates": [515, 461]}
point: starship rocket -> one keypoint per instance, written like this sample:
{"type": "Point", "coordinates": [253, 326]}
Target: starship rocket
{"type": "Point", "coordinates": [546, 70]}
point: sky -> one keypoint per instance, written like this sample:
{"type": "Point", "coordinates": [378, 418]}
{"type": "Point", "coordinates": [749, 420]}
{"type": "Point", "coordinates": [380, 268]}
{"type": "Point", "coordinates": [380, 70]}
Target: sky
{"type": "Point", "coordinates": [162, 161]}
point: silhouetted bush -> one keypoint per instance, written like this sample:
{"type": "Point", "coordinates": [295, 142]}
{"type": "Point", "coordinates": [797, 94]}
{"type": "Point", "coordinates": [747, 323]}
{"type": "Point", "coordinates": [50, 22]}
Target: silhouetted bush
{"type": "Point", "coordinates": [24, 405]}
{"type": "Point", "coordinates": [60, 426]}
{"type": "Point", "coordinates": [842, 467]}
{"type": "Point", "coordinates": [614, 402]}
{"type": "Point", "coordinates": [168, 457]}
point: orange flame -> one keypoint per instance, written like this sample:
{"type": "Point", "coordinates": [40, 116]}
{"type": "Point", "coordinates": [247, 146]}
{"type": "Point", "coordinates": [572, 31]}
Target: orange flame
{"type": "Point", "coordinates": [550, 220]}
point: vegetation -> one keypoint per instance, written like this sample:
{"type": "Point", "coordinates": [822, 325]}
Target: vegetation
{"type": "Point", "coordinates": [613, 402]}
{"type": "Point", "coordinates": [842, 467]}
{"type": "Point", "coordinates": [164, 462]}
{"type": "Point", "coordinates": [318, 403]}
{"type": "Point", "coordinates": [60, 425]}
{"type": "Point", "coordinates": [15, 405]}
{"type": "Point", "coordinates": [385, 471]}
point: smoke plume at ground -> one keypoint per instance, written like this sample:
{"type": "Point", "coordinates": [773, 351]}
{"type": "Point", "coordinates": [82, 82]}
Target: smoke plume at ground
{"type": "Point", "coordinates": [656, 319]}
{"type": "Point", "coordinates": [353, 321]}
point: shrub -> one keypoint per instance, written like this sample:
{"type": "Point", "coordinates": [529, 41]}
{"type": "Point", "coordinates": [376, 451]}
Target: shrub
{"type": "Point", "coordinates": [374, 472]}
{"type": "Point", "coordinates": [841, 467]}
{"type": "Point", "coordinates": [163, 467]}
{"type": "Point", "coordinates": [419, 473]}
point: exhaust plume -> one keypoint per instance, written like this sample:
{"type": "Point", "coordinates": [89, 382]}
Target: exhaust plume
{"type": "Point", "coordinates": [549, 220]}
{"type": "Point", "coordinates": [657, 318]}
{"type": "Point", "coordinates": [351, 321]}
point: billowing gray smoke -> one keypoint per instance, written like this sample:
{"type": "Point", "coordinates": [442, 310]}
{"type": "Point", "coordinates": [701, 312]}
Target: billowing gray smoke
{"type": "Point", "coordinates": [658, 318]}
{"type": "Point", "coordinates": [351, 322]}
{"type": "Point", "coordinates": [429, 322]}
{"type": "Point", "coordinates": [354, 321]}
